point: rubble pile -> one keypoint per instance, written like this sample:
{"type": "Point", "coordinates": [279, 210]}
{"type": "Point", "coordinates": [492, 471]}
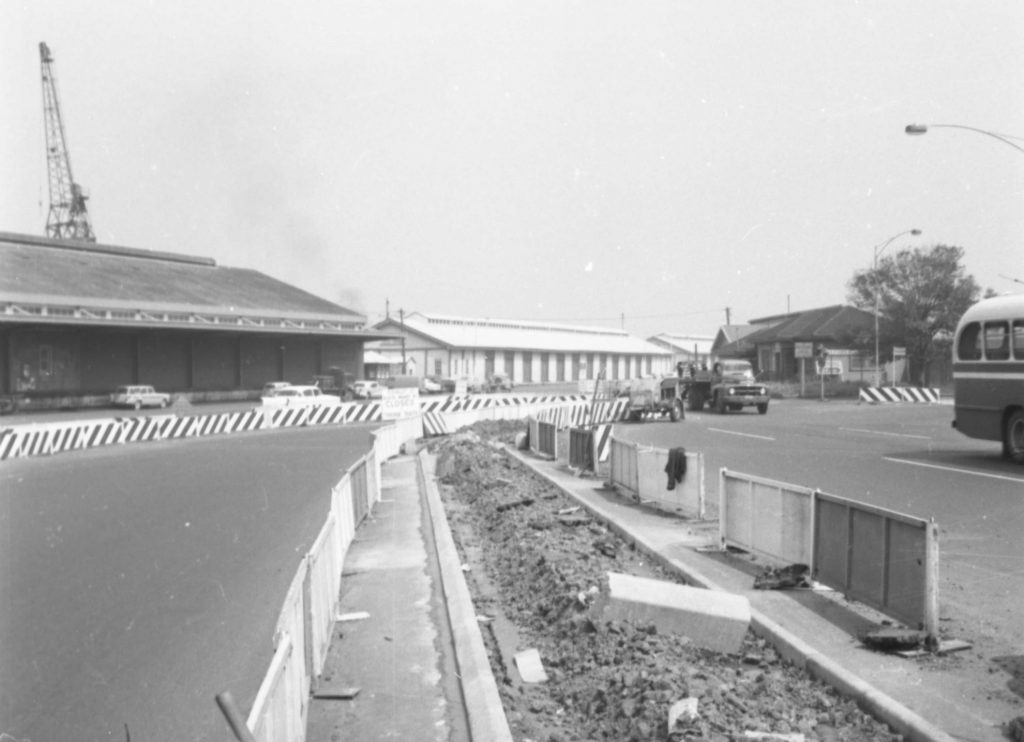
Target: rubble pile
{"type": "Point", "coordinates": [537, 567]}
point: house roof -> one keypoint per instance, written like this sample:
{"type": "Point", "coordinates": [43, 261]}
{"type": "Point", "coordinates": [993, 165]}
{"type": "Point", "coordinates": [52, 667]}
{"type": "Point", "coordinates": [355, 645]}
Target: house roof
{"type": "Point", "coordinates": [683, 343]}
{"type": "Point", "coordinates": [827, 324]}
{"type": "Point", "coordinates": [90, 283]}
{"type": "Point", "coordinates": [464, 332]}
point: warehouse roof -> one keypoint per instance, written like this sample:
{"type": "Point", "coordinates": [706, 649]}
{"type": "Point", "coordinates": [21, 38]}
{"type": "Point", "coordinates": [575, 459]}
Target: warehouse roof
{"type": "Point", "coordinates": [463, 332]}
{"type": "Point", "coordinates": [89, 283]}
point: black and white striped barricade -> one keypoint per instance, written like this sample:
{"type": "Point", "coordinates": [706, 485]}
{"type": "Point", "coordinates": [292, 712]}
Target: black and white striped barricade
{"type": "Point", "coordinates": [885, 394]}
{"type": "Point", "coordinates": [47, 439]}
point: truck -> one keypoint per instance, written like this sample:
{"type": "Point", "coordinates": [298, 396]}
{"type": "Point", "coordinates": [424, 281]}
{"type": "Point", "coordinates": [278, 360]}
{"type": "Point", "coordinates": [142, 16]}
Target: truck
{"type": "Point", "coordinates": [655, 397]}
{"type": "Point", "coordinates": [729, 385]}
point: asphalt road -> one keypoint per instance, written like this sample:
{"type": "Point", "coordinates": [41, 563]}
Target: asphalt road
{"type": "Point", "coordinates": [138, 582]}
{"type": "Point", "coordinates": [904, 457]}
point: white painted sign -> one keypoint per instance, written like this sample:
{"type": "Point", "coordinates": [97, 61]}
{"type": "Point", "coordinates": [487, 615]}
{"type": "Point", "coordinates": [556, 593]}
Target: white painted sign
{"type": "Point", "coordinates": [398, 403]}
{"type": "Point", "coordinates": [899, 351]}
{"type": "Point", "coordinates": [803, 350]}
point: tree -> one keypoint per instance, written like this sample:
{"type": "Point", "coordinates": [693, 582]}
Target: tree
{"type": "Point", "coordinates": [921, 296]}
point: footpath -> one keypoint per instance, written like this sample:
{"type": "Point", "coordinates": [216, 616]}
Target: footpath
{"type": "Point", "coordinates": [412, 651]}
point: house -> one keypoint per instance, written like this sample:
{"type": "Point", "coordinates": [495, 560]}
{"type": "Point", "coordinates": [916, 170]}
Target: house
{"type": "Point", "coordinates": [833, 335]}
{"type": "Point", "coordinates": [685, 349]}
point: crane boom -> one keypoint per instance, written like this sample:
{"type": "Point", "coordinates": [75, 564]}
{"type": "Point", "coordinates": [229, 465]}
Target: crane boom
{"type": "Point", "coordinates": [68, 218]}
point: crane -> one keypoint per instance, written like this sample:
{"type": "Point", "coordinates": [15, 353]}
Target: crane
{"type": "Point", "coordinates": [68, 218]}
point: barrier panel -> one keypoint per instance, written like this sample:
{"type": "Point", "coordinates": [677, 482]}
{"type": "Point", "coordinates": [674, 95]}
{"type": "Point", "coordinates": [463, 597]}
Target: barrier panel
{"type": "Point", "coordinates": [281, 707]}
{"type": "Point", "coordinates": [547, 439]}
{"type": "Point", "coordinates": [767, 518]}
{"type": "Point", "coordinates": [325, 565]}
{"type": "Point", "coordinates": [622, 470]}
{"type": "Point", "coordinates": [582, 449]}
{"type": "Point", "coordinates": [641, 472]}
{"type": "Point", "coordinates": [686, 496]}
{"type": "Point", "coordinates": [882, 558]}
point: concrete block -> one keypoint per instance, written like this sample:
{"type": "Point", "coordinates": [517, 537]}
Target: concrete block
{"type": "Point", "coordinates": [711, 619]}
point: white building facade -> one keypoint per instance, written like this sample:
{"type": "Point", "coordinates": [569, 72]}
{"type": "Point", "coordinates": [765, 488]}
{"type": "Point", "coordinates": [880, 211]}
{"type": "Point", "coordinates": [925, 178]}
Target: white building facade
{"type": "Point", "coordinates": [528, 352]}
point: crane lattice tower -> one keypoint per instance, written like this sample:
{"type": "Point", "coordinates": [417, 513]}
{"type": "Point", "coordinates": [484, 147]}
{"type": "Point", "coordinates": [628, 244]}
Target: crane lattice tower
{"type": "Point", "coordinates": [68, 218]}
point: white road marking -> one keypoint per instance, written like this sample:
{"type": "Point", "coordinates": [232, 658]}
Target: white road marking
{"type": "Point", "coordinates": [956, 469]}
{"type": "Point", "coordinates": [745, 435]}
{"type": "Point", "coordinates": [893, 435]}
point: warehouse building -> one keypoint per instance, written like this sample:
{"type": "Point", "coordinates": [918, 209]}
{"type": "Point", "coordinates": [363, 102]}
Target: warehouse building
{"type": "Point", "coordinates": [78, 319]}
{"type": "Point", "coordinates": [528, 352]}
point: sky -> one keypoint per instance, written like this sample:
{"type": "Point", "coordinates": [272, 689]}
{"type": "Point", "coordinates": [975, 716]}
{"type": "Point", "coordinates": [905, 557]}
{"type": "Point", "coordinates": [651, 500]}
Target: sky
{"type": "Point", "coordinates": [655, 166]}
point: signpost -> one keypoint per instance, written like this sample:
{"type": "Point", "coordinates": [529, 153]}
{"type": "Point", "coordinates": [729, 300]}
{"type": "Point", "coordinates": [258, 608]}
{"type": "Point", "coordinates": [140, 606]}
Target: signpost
{"type": "Point", "coordinates": [803, 351]}
{"type": "Point", "coordinates": [398, 403]}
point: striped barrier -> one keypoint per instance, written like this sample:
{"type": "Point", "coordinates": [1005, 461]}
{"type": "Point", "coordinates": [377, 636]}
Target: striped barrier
{"type": "Point", "coordinates": [883, 394]}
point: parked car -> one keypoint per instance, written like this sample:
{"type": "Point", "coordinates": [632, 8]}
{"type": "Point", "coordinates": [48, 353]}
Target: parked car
{"type": "Point", "coordinates": [367, 389]}
{"type": "Point", "coordinates": [499, 383]}
{"type": "Point", "coordinates": [139, 395]}
{"type": "Point", "coordinates": [431, 385]}
{"type": "Point", "coordinates": [271, 388]}
{"type": "Point", "coordinates": [300, 396]}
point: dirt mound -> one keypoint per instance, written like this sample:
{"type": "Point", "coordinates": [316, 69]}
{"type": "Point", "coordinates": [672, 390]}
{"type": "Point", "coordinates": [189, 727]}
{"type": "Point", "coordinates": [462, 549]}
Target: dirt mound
{"type": "Point", "coordinates": [536, 566]}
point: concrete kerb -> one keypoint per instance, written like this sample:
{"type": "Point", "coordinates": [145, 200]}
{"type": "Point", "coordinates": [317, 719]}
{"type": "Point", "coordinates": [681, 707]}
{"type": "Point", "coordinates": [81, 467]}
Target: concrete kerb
{"type": "Point", "coordinates": [485, 712]}
{"type": "Point", "coordinates": [792, 648]}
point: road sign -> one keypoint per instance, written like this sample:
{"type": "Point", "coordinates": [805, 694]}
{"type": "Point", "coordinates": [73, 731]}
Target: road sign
{"type": "Point", "coordinates": [899, 351]}
{"type": "Point", "coordinates": [398, 403]}
{"type": "Point", "coordinates": [803, 350]}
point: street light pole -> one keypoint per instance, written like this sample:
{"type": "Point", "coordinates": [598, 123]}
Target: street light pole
{"type": "Point", "coordinates": [920, 129]}
{"type": "Point", "coordinates": [879, 249]}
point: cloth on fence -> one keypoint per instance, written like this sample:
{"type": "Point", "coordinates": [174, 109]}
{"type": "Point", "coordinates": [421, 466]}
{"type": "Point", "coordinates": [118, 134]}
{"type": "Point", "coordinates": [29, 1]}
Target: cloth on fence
{"type": "Point", "coordinates": [676, 466]}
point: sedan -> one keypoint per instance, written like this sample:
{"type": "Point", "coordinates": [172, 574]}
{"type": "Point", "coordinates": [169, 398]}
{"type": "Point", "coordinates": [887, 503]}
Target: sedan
{"type": "Point", "coordinates": [139, 395]}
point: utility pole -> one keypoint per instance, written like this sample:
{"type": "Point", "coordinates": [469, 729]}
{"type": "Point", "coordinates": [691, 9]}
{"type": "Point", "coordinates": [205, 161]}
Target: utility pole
{"type": "Point", "coordinates": [401, 321]}
{"type": "Point", "coordinates": [727, 320]}
{"type": "Point", "coordinates": [68, 218]}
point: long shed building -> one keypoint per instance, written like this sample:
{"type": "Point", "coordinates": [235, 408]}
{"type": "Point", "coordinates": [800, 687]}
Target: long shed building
{"type": "Point", "coordinates": [79, 318]}
{"type": "Point", "coordinates": [528, 352]}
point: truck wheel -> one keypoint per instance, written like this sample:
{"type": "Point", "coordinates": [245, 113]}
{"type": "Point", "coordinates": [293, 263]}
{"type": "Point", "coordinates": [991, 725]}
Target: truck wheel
{"type": "Point", "coordinates": [762, 408]}
{"type": "Point", "coordinates": [1013, 437]}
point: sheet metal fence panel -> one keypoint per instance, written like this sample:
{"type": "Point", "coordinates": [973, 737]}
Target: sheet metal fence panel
{"type": "Point", "coordinates": [547, 441]}
{"type": "Point", "coordinates": [582, 449]}
{"type": "Point", "coordinates": [687, 497]}
{"type": "Point", "coordinates": [882, 558]}
{"type": "Point", "coordinates": [622, 467]}
{"type": "Point", "coordinates": [768, 518]}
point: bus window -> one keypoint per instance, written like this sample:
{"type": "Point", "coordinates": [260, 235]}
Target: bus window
{"type": "Point", "coordinates": [968, 346]}
{"type": "Point", "coordinates": [997, 341]}
{"type": "Point", "coordinates": [1018, 339]}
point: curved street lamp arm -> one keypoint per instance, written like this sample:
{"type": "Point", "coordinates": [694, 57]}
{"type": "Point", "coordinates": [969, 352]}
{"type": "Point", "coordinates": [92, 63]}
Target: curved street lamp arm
{"type": "Point", "coordinates": [917, 129]}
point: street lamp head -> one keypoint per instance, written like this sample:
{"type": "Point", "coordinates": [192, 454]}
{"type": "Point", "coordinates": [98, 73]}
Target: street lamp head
{"type": "Point", "coordinates": [916, 129]}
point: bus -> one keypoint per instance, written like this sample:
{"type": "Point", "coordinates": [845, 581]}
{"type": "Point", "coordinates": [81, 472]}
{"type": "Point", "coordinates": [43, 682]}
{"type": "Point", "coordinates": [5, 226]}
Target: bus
{"type": "Point", "coordinates": [988, 373]}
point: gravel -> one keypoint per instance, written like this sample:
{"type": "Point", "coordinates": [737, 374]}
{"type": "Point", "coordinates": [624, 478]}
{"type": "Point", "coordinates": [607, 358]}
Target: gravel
{"type": "Point", "coordinates": [536, 568]}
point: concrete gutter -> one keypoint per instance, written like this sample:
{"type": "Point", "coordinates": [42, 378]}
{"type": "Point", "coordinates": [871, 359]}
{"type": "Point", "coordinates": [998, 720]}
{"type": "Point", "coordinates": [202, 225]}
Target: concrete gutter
{"type": "Point", "coordinates": [484, 709]}
{"type": "Point", "coordinates": [883, 707]}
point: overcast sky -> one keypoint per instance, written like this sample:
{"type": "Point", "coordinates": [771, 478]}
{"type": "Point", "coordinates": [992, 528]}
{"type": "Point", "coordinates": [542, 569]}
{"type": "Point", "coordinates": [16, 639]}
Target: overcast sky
{"type": "Point", "coordinates": [571, 161]}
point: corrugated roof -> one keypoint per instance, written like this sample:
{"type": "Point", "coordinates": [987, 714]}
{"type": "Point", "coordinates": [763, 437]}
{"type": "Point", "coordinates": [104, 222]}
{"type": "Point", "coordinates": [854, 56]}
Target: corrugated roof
{"type": "Point", "coordinates": [67, 272]}
{"type": "Point", "coordinates": [684, 343]}
{"type": "Point", "coordinates": [464, 332]}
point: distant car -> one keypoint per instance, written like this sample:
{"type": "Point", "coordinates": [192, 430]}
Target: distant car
{"type": "Point", "coordinates": [300, 396]}
{"type": "Point", "coordinates": [431, 386]}
{"type": "Point", "coordinates": [271, 388]}
{"type": "Point", "coordinates": [499, 383]}
{"type": "Point", "coordinates": [138, 396]}
{"type": "Point", "coordinates": [367, 389]}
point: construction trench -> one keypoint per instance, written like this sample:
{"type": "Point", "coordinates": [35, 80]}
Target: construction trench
{"type": "Point", "coordinates": [538, 572]}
